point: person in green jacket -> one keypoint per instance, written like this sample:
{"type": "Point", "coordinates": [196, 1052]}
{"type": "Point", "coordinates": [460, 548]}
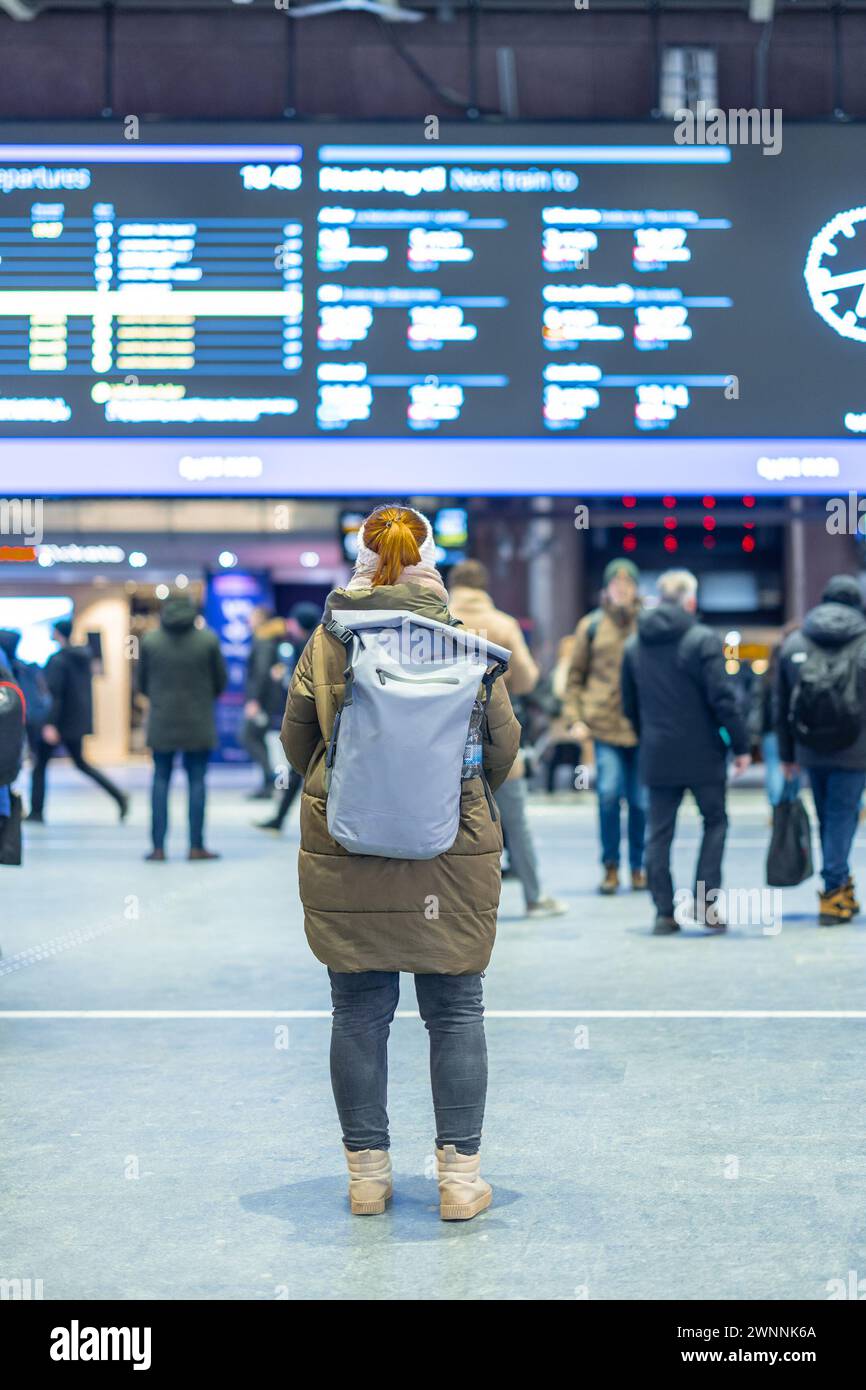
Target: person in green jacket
{"type": "Point", "coordinates": [182, 673]}
{"type": "Point", "coordinates": [369, 918]}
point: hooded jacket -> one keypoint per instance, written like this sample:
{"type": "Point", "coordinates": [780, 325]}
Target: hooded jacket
{"type": "Point", "coordinates": [69, 677]}
{"type": "Point", "coordinates": [182, 672]}
{"type": "Point", "coordinates": [833, 624]}
{"type": "Point", "coordinates": [362, 912]}
{"type": "Point", "coordinates": [476, 610]}
{"type": "Point", "coordinates": [676, 694]}
{"type": "Point", "coordinates": [592, 689]}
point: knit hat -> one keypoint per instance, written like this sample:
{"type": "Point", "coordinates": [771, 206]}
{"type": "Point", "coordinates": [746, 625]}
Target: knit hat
{"type": "Point", "coordinates": [306, 615]}
{"type": "Point", "coordinates": [620, 566]}
{"type": "Point", "coordinates": [843, 588]}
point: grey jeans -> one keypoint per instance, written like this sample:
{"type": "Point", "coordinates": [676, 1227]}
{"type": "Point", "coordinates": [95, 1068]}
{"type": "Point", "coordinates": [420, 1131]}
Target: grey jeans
{"type": "Point", "coordinates": [511, 800]}
{"type": "Point", "coordinates": [452, 1008]}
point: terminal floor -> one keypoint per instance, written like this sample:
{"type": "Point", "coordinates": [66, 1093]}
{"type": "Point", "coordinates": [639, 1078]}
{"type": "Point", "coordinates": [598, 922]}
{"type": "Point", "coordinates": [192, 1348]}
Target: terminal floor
{"type": "Point", "coordinates": [636, 1155]}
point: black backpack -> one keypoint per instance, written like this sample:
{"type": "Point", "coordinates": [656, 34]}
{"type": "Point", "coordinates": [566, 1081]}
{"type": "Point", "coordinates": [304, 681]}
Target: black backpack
{"type": "Point", "coordinates": [37, 696]}
{"type": "Point", "coordinates": [12, 712]}
{"type": "Point", "coordinates": [827, 711]}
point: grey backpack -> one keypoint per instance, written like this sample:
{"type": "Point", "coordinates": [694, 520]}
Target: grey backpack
{"type": "Point", "coordinates": [395, 757]}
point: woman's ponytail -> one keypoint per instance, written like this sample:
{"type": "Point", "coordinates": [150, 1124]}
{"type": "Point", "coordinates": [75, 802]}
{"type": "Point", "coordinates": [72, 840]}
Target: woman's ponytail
{"type": "Point", "coordinates": [395, 535]}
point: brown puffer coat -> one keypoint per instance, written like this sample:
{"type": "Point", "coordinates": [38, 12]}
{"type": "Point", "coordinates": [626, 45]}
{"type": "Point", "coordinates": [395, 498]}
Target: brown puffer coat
{"type": "Point", "coordinates": [361, 912]}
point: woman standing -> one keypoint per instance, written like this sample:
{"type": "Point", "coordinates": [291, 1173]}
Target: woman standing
{"type": "Point", "coordinates": [368, 918]}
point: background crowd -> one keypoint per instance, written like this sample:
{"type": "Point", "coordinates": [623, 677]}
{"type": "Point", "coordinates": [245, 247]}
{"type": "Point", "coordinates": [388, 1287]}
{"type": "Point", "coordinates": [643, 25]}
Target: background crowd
{"type": "Point", "coordinates": [639, 705]}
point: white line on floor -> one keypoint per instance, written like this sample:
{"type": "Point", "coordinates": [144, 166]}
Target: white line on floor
{"type": "Point", "coordinates": [39, 1015]}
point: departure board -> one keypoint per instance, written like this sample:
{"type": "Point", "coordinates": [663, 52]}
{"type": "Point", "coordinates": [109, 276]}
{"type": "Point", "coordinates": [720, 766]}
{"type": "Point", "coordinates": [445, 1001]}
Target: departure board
{"type": "Point", "coordinates": [501, 309]}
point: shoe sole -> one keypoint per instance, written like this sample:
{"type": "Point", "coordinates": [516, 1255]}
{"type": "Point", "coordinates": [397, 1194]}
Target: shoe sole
{"type": "Point", "coordinates": [465, 1211]}
{"type": "Point", "coordinates": [665, 931]}
{"type": "Point", "coordinates": [825, 921]}
{"type": "Point", "coordinates": [370, 1208]}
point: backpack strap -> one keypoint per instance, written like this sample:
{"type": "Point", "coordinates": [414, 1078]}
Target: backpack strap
{"type": "Point", "coordinates": [347, 637]}
{"type": "Point", "coordinates": [342, 634]}
{"type": "Point", "coordinates": [488, 680]}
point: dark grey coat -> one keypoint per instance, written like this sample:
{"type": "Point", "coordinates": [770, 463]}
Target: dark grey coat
{"type": "Point", "coordinates": [678, 698]}
{"type": "Point", "coordinates": [182, 672]}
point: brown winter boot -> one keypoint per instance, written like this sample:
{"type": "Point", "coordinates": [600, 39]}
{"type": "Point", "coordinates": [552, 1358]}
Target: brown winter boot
{"type": "Point", "coordinates": [610, 883]}
{"type": "Point", "coordinates": [370, 1185]}
{"type": "Point", "coordinates": [850, 891]}
{"type": "Point", "coordinates": [834, 909]}
{"type": "Point", "coordinates": [638, 880]}
{"type": "Point", "coordinates": [463, 1193]}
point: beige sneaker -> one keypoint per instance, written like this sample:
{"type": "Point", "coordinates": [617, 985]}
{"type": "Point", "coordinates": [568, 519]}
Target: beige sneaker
{"type": "Point", "coordinates": [547, 907]}
{"type": "Point", "coordinates": [463, 1193]}
{"type": "Point", "coordinates": [370, 1185]}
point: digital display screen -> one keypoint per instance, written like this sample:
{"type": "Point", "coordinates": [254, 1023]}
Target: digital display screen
{"type": "Point", "coordinates": [327, 309]}
{"type": "Point", "coordinates": [34, 617]}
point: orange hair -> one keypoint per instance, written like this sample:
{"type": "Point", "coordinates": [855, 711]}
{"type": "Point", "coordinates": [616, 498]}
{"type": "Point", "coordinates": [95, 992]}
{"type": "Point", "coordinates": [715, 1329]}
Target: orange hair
{"type": "Point", "coordinates": [396, 535]}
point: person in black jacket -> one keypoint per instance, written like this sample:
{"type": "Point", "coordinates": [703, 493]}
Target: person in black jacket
{"type": "Point", "coordinates": [836, 627]}
{"type": "Point", "coordinates": [266, 695]}
{"type": "Point", "coordinates": [6, 674]}
{"type": "Point", "coordinates": [68, 675]}
{"type": "Point", "coordinates": [684, 708]}
{"type": "Point", "coordinates": [31, 680]}
{"type": "Point", "coordinates": [302, 622]}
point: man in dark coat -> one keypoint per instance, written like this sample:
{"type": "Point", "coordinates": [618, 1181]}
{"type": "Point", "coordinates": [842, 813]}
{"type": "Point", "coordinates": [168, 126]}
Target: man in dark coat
{"type": "Point", "coordinates": [182, 672]}
{"type": "Point", "coordinates": [836, 630]}
{"type": "Point", "coordinates": [69, 676]}
{"type": "Point", "coordinates": [684, 709]}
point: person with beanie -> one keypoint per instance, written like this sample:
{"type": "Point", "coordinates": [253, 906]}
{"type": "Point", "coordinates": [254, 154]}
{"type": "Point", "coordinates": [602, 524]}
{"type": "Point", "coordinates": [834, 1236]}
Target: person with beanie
{"type": "Point", "coordinates": [69, 678]}
{"type": "Point", "coordinates": [368, 917]}
{"type": "Point", "coordinates": [470, 602]}
{"type": "Point", "coordinates": [593, 709]}
{"type": "Point", "coordinates": [182, 673]}
{"type": "Point", "coordinates": [829, 652]}
{"type": "Point", "coordinates": [302, 621]}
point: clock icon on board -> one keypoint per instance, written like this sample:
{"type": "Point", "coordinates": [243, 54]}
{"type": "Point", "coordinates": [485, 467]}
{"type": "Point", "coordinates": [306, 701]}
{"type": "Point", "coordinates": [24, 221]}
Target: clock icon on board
{"type": "Point", "coordinates": [835, 273]}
